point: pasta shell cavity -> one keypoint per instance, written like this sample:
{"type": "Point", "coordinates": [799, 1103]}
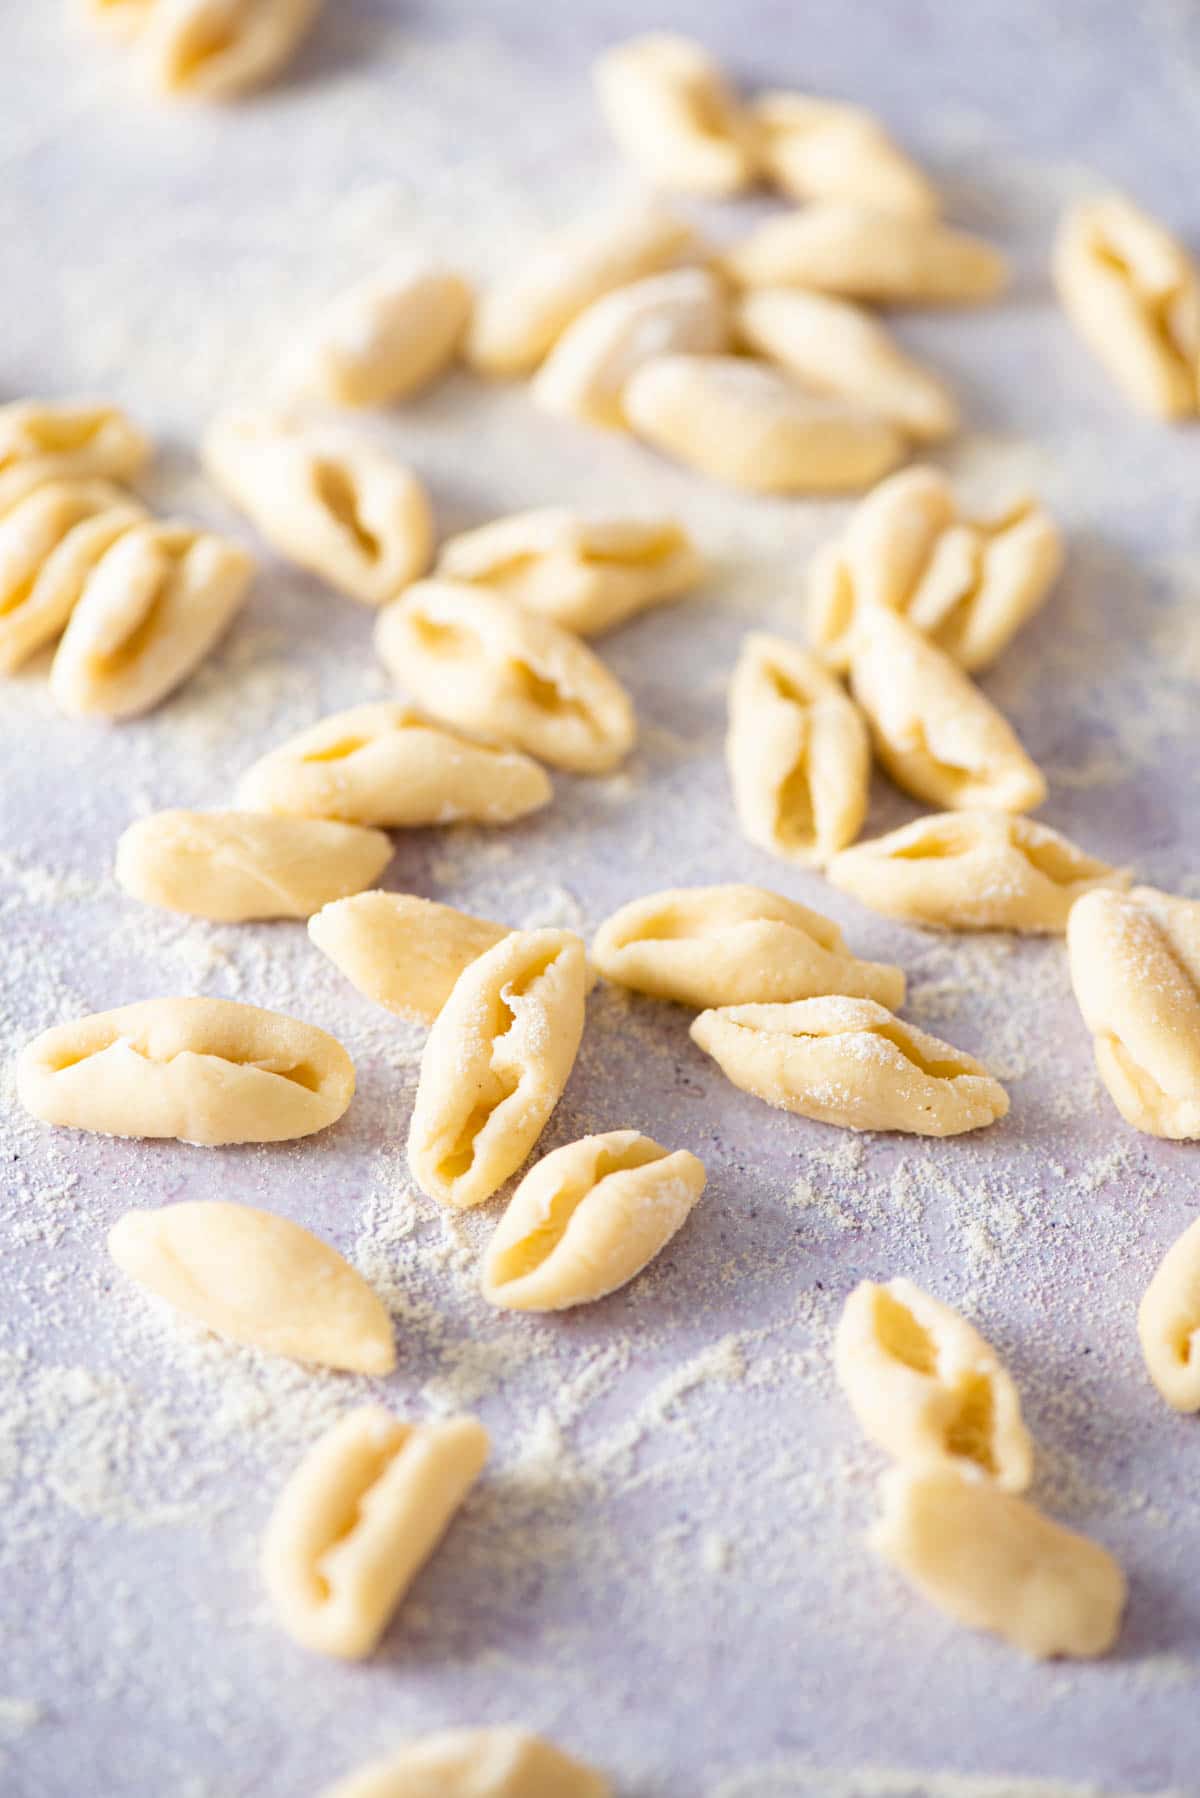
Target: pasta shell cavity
{"type": "Point", "coordinates": [734, 945]}
{"type": "Point", "coordinates": [850, 1062]}
{"type": "Point", "coordinates": [587, 1219]}
{"type": "Point", "coordinates": [587, 574]}
{"type": "Point", "coordinates": [483, 664]}
{"type": "Point", "coordinates": [967, 583]}
{"type": "Point", "coordinates": [496, 1063]}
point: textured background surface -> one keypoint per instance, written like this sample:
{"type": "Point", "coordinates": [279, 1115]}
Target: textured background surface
{"type": "Point", "coordinates": [664, 1566]}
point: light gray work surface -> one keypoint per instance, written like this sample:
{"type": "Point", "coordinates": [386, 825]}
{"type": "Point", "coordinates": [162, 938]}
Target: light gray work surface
{"type": "Point", "coordinates": [664, 1567]}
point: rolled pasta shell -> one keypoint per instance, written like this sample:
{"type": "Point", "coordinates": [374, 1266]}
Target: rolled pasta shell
{"type": "Point", "coordinates": [495, 1065]}
{"type": "Point", "coordinates": [734, 945]}
{"type": "Point", "coordinates": [207, 1071]}
{"type": "Point", "coordinates": [934, 731]}
{"type": "Point", "coordinates": [474, 1763]}
{"type": "Point", "coordinates": [257, 1279]}
{"type": "Point", "coordinates": [388, 765]}
{"type": "Point", "coordinates": [150, 610]}
{"type": "Point", "coordinates": [973, 870]}
{"type": "Point", "coordinates": [850, 1062]}
{"type": "Point", "coordinates": [741, 422]}
{"type": "Point", "coordinates": [925, 1386]}
{"type": "Point", "coordinates": [483, 664]}
{"type": "Point", "coordinates": [991, 1561]}
{"type": "Point", "coordinates": [587, 574]}
{"type": "Point", "coordinates": [402, 952]}
{"type": "Point", "coordinates": [869, 255]}
{"type": "Point", "coordinates": [233, 866]}
{"type": "Point", "coordinates": [587, 1219]}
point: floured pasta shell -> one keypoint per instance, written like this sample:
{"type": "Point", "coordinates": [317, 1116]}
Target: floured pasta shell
{"type": "Point", "coordinates": [150, 610]}
{"type": "Point", "coordinates": [234, 866]}
{"type": "Point", "coordinates": [816, 149]}
{"type": "Point", "coordinates": [495, 1065]}
{"type": "Point", "coordinates": [257, 1279]}
{"type": "Point", "coordinates": [484, 664]}
{"type": "Point", "coordinates": [402, 952]}
{"type": "Point", "coordinates": [587, 574]}
{"type": "Point", "coordinates": [973, 870]}
{"type": "Point", "coordinates": [474, 1763]}
{"type": "Point", "coordinates": [387, 765]}
{"type": "Point", "coordinates": [991, 1561]}
{"type": "Point", "coordinates": [869, 255]}
{"type": "Point", "coordinates": [798, 753]}
{"type": "Point", "coordinates": [384, 339]}
{"type": "Point", "coordinates": [850, 1062]}
{"type": "Point", "coordinates": [50, 542]}
{"type": "Point", "coordinates": [589, 368]}
{"type": "Point", "coordinates": [1169, 1323]}
{"type": "Point", "coordinates": [734, 945]}
{"type": "Point", "coordinates": [839, 349]}
{"type": "Point", "coordinates": [967, 583]}
{"type": "Point", "coordinates": [214, 49]}
{"type": "Point", "coordinates": [207, 1071]}
{"type": "Point", "coordinates": [587, 1219]}
{"type": "Point", "coordinates": [925, 1386]}
{"type": "Point", "coordinates": [1135, 968]}
{"type": "Point", "coordinates": [58, 440]}
{"type": "Point", "coordinates": [340, 508]}
{"type": "Point", "coordinates": [516, 322]}
{"type": "Point", "coordinates": [934, 731]}
{"type": "Point", "coordinates": [667, 104]}
{"type": "Point", "coordinates": [1132, 292]}
{"type": "Point", "coordinates": [740, 422]}
{"type": "Point", "coordinates": [359, 1518]}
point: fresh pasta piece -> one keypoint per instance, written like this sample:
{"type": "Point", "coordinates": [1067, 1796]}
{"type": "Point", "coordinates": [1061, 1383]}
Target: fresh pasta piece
{"type": "Point", "coordinates": [925, 1386]}
{"type": "Point", "coordinates": [741, 422]}
{"type": "Point", "coordinates": [587, 574]}
{"type": "Point", "coordinates": [149, 612]}
{"type": "Point", "coordinates": [58, 440]}
{"type": "Point", "coordinates": [587, 1219]}
{"type": "Point", "coordinates": [973, 870]}
{"type": "Point", "coordinates": [587, 371]}
{"type": "Point", "coordinates": [1132, 292]}
{"type": "Point", "coordinates": [215, 49]}
{"type": "Point", "coordinates": [207, 1071]}
{"type": "Point", "coordinates": [474, 1763]}
{"type": "Point", "coordinates": [259, 1280]}
{"type": "Point", "coordinates": [734, 945]}
{"type": "Point", "coordinates": [829, 150]}
{"type": "Point", "coordinates": [869, 255]}
{"type": "Point", "coordinates": [357, 1521]}
{"type": "Point", "coordinates": [1135, 968]}
{"type": "Point", "coordinates": [967, 583]}
{"type": "Point", "coordinates": [402, 952]}
{"type": "Point", "coordinates": [49, 543]}
{"type": "Point", "coordinates": [990, 1560]}
{"type": "Point", "coordinates": [850, 1062]}
{"type": "Point", "coordinates": [387, 765]}
{"type": "Point", "coordinates": [336, 506]}
{"type": "Point", "coordinates": [234, 866]}
{"type": "Point", "coordinates": [516, 322]}
{"type": "Point", "coordinates": [798, 753]}
{"type": "Point", "coordinates": [484, 664]}
{"type": "Point", "coordinates": [934, 731]}
{"type": "Point", "coordinates": [666, 102]}
{"type": "Point", "coordinates": [122, 17]}
{"type": "Point", "coordinates": [838, 349]}
{"type": "Point", "coordinates": [384, 339]}
{"type": "Point", "coordinates": [495, 1065]}
{"type": "Point", "coordinates": [1169, 1323]}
